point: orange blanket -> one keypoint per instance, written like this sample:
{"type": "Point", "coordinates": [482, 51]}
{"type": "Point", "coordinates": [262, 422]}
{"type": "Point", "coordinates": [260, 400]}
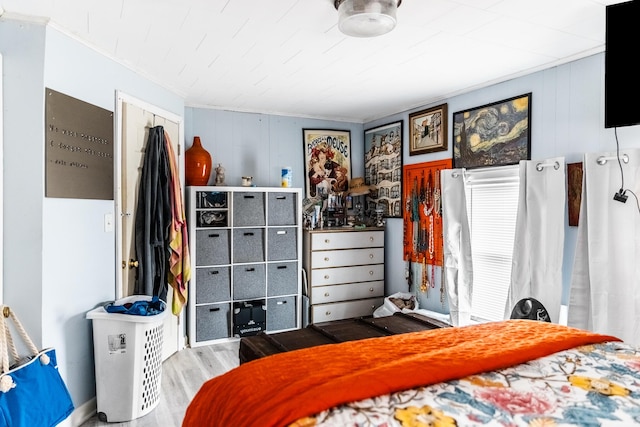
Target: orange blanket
{"type": "Point", "coordinates": [279, 389]}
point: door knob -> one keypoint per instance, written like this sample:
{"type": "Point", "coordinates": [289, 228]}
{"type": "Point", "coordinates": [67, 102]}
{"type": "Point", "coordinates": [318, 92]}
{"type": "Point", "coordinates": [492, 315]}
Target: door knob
{"type": "Point", "coordinates": [133, 264]}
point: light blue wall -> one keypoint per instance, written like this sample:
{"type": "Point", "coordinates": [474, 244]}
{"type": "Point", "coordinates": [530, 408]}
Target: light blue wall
{"type": "Point", "coordinates": [259, 145]}
{"type": "Point", "coordinates": [58, 261]}
{"type": "Point", "coordinates": [22, 48]}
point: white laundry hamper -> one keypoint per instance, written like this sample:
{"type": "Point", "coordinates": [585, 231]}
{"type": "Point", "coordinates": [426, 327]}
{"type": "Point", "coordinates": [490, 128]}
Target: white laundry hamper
{"type": "Point", "coordinates": [128, 361]}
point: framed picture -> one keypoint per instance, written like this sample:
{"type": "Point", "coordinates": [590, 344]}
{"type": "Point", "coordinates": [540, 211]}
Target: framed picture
{"type": "Point", "coordinates": [494, 134]}
{"type": "Point", "coordinates": [383, 169]}
{"type": "Point", "coordinates": [327, 160]}
{"type": "Point", "coordinates": [428, 130]}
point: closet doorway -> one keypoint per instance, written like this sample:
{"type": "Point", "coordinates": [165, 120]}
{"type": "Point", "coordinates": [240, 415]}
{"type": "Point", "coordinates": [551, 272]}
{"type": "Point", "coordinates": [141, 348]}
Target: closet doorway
{"type": "Point", "coordinates": [134, 119]}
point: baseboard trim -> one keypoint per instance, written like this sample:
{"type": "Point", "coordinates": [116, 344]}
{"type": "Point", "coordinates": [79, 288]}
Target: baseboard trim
{"type": "Point", "coordinates": [81, 414]}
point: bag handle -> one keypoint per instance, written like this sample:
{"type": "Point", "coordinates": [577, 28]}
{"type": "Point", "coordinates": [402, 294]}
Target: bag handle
{"type": "Point", "coordinates": [6, 340]}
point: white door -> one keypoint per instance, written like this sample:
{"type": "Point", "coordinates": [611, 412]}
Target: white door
{"type": "Point", "coordinates": [134, 120]}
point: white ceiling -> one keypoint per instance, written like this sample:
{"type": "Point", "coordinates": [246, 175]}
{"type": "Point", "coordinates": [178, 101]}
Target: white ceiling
{"type": "Point", "coordinates": [288, 56]}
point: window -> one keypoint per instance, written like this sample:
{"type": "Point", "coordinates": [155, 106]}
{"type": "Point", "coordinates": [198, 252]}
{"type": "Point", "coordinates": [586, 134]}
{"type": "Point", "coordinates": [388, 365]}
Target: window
{"type": "Point", "coordinates": [492, 203]}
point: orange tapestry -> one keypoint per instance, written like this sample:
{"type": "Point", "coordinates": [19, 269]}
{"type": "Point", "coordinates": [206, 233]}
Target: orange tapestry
{"type": "Point", "coordinates": [422, 216]}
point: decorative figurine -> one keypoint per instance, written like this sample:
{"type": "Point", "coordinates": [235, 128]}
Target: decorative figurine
{"type": "Point", "coordinates": [219, 175]}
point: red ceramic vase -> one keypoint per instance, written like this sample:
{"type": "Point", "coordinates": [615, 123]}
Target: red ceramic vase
{"type": "Point", "coordinates": [197, 162]}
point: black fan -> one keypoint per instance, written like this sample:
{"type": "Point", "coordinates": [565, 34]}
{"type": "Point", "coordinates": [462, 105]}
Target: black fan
{"type": "Point", "coordinates": [530, 308]}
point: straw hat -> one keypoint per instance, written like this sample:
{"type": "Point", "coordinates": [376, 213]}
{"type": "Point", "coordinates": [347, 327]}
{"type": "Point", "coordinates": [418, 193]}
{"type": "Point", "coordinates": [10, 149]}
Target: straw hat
{"type": "Point", "coordinates": [357, 187]}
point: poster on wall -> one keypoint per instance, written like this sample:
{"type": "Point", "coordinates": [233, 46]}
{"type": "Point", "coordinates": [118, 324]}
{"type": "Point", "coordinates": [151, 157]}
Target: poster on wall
{"type": "Point", "coordinates": [428, 130]}
{"type": "Point", "coordinates": [327, 160]}
{"type": "Point", "coordinates": [495, 134]}
{"type": "Point", "coordinates": [78, 149]}
{"type": "Point", "coordinates": [383, 169]}
{"type": "Point", "coordinates": [422, 220]}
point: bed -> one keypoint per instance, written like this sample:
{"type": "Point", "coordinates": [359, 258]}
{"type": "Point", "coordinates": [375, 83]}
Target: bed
{"type": "Point", "coordinates": [509, 373]}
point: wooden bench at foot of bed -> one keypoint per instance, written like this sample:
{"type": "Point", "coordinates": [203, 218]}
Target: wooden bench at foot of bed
{"type": "Point", "coordinates": [264, 344]}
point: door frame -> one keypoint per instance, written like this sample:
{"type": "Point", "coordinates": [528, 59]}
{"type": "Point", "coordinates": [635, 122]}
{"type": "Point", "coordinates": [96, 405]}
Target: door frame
{"type": "Point", "coordinates": [121, 99]}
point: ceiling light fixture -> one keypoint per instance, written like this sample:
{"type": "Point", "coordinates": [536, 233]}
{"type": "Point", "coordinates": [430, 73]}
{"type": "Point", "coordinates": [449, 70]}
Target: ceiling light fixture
{"type": "Point", "coordinates": [366, 18]}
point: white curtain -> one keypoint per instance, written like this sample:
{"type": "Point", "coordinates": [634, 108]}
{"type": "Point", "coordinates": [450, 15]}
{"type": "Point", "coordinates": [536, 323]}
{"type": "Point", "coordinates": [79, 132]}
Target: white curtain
{"type": "Point", "coordinates": [539, 237]}
{"type": "Point", "coordinates": [605, 284]}
{"type": "Point", "coordinates": [457, 246]}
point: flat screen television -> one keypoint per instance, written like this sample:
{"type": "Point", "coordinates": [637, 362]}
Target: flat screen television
{"type": "Point", "coordinates": [621, 82]}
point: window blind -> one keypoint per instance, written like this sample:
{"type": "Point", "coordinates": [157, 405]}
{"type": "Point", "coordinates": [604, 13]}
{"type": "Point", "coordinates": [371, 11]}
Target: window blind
{"type": "Point", "coordinates": [492, 204]}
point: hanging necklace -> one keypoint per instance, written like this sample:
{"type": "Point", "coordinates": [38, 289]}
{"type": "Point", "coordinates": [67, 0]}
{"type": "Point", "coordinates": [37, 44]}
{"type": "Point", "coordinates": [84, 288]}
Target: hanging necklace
{"type": "Point", "coordinates": [436, 195]}
{"type": "Point", "coordinates": [424, 286]}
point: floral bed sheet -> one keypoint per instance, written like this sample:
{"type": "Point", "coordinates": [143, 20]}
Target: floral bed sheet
{"type": "Point", "coordinates": [593, 385]}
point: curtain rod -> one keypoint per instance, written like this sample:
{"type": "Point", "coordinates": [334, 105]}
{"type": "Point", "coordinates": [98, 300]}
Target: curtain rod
{"type": "Point", "coordinates": [541, 166]}
{"type": "Point", "coordinates": [602, 160]}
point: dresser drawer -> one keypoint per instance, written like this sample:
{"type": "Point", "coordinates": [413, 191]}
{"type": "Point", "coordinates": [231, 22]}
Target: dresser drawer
{"type": "Point", "coordinates": [249, 281]}
{"type": "Point", "coordinates": [347, 240]}
{"type": "Point", "coordinates": [248, 245]}
{"type": "Point", "coordinates": [248, 209]}
{"type": "Point", "coordinates": [358, 273]}
{"type": "Point", "coordinates": [212, 321]}
{"type": "Point", "coordinates": [282, 243]}
{"type": "Point", "coordinates": [282, 278]}
{"type": "Point", "coordinates": [344, 310]}
{"type": "Point", "coordinates": [346, 257]}
{"type": "Point", "coordinates": [349, 291]}
{"type": "Point", "coordinates": [282, 208]}
{"type": "Point", "coordinates": [214, 284]}
{"type": "Point", "coordinates": [213, 247]}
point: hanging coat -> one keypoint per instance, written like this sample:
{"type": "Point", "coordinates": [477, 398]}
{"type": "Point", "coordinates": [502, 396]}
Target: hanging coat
{"type": "Point", "coordinates": [153, 218]}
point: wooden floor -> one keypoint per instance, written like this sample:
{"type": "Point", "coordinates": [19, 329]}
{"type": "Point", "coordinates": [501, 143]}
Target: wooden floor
{"type": "Point", "coordinates": [182, 375]}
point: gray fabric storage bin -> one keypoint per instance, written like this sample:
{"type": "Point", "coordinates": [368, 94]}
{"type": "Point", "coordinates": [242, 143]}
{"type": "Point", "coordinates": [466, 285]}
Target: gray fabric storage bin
{"type": "Point", "coordinates": [282, 278]}
{"type": "Point", "coordinates": [214, 284]}
{"type": "Point", "coordinates": [248, 209]}
{"type": "Point", "coordinates": [213, 247]}
{"type": "Point", "coordinates": [213, 321]}
{"type": "Point", "coordinates": [249, 281]}
{"type": "Point", "coordinates": [282, 243]}
{"type": "Point", "coordinates": [281, 313]}
{"type": "Point", "coordinates": [248, 245]}
{"type": "Point", "coordinates": [281, 209]}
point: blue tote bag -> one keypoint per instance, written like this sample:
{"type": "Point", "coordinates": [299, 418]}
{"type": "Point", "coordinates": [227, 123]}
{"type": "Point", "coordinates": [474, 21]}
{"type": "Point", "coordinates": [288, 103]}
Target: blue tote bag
{"type": "Point", "coordinates": [32, 392]}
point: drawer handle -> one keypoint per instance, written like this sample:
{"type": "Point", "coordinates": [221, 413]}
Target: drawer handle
{"type": "Point", "coordinates": [326, 294]}
{"type": "Point", "coordinates": [214, 235]}
{"type": "Point", "coordinates": [326, 258]}
{"type": "Point", "coordinates": [248, 196]}
{"type": "Point", "coordinates": [371, 273]}
{"type": "Point", "coordinates": [248, 234]}
{"type": "Point", "coordinates": [250, 269]}
{"type": "Point", "coordinates": [326, 276]}
{"type": "Point", "coordinates": [327, 240]}
{"type": "Point", "coordinates": [280, 267]}
{"type": "Point", "coordinates": [328, 313]}
{"type": "Point", "coordinates": [371, 239]}
{"type": "Point", "coordinates": [281, 197]}
{"type": "Point", "coordinates": [281, 302]}
{"type": "Point", "coordinates": [371, 256]}
{"type": "Point", "coordinates": [370, 289]}
{"type": "Point", "coordinates": [215, 309]}
{"type": "Point", "coordinates": [281, 232]}
{"type": "Point", "coordinates": [214, 272]}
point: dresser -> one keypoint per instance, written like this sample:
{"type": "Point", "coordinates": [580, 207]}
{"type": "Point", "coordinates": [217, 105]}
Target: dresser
{"type": "Point", "coordinates": [345, 272]}
{"type": "Point", "coordinates": [246, 253]}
